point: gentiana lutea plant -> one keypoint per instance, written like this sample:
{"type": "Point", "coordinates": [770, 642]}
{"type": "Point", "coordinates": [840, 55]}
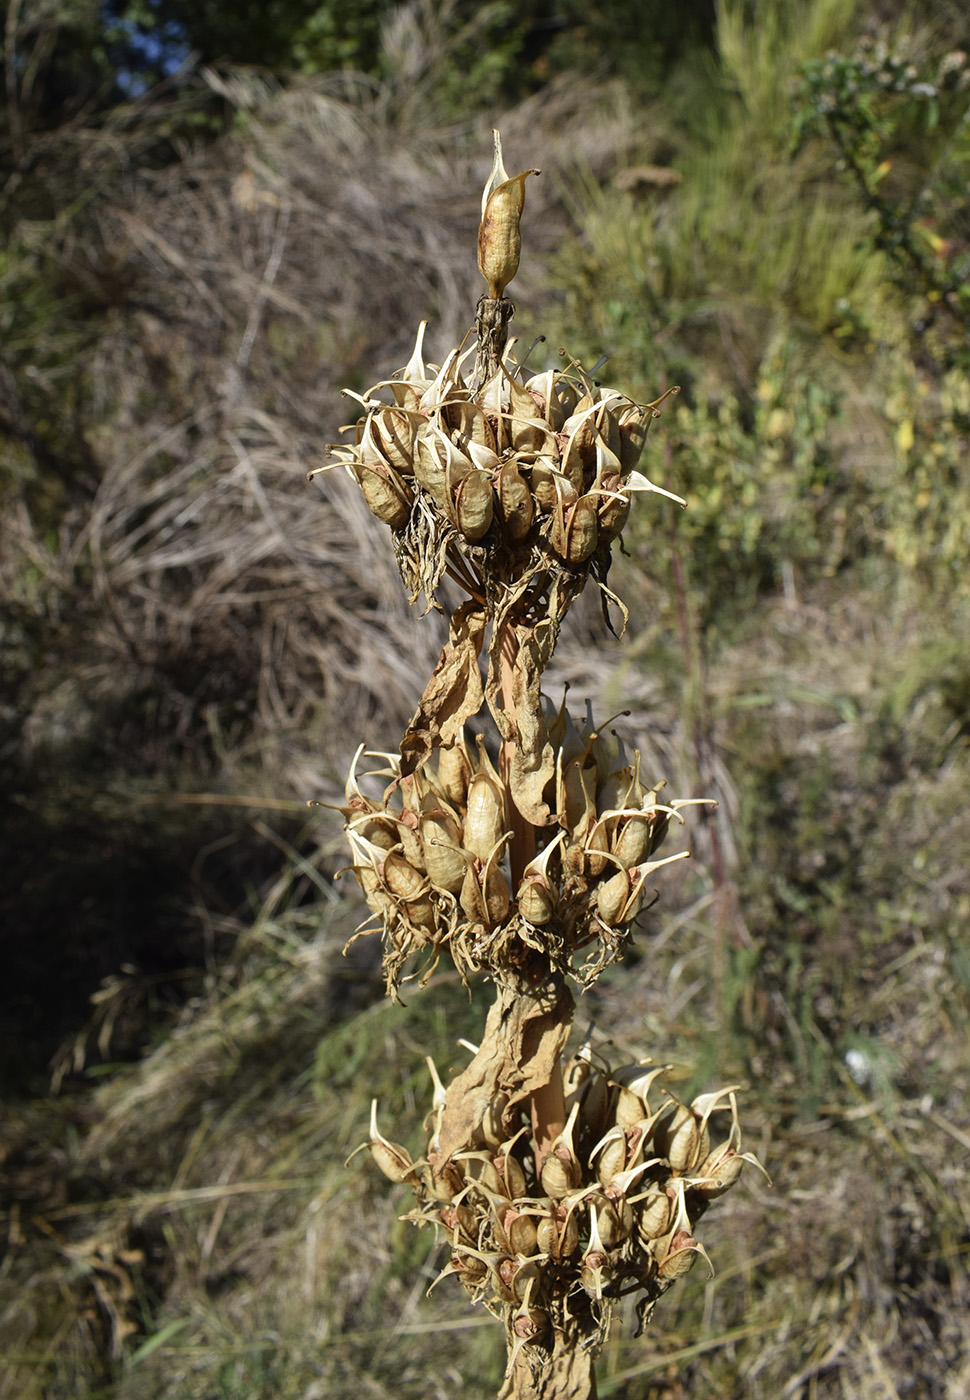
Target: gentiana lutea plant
{"type": "Point", "coordinates": [561, 1184]}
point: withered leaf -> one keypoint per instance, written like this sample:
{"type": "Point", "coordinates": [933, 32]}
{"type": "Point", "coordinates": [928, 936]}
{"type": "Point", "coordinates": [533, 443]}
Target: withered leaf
{"type": "Point", "coordinates": [521, 1047]}
{"type": "Point", "coordinates": [453, 694]}
{"type": "Point", "coordinates": [518, 655]}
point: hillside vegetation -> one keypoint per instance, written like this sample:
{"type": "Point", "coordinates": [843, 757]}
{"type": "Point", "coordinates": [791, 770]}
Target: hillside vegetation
{"type": "Point", "coordinates": [194, 641]}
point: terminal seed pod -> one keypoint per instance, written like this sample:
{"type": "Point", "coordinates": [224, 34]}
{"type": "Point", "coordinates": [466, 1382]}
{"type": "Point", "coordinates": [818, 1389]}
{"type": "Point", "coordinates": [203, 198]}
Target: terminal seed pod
{"type": "Point", "coordinates": [499, 242]}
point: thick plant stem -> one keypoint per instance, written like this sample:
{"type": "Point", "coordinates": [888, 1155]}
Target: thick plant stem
{"type": "Point", "coordinates": [568, 1375]}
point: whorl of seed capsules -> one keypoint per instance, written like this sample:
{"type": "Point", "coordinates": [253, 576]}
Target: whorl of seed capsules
{"type": "Point", "coordinates": [611, 1211]}
{"type": "Point", "coordinates": [430, 857]}
{"type": "Point", "coordinates": [529, 478]}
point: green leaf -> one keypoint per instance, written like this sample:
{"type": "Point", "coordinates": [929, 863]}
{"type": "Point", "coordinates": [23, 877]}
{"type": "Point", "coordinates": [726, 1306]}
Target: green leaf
{"type": "Point", "coordinates": [158, 1339]}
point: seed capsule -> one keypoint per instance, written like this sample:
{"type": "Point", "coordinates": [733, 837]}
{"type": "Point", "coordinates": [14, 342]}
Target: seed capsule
{"type": "Point", "coordinates": [385, 493]}
{"type": "Point", "coordinates": [499, 242]}
{"type": "Point", "coordinates": [549, 486]}
{"type": "Point", "coordinates": [537, 895]}
{"type": "Point", "coordinates": [473, 504]}
{"type": "Point", "coordinates": [394, 432]}
{"type": "Point", "coordinates": [575, 531]}
{"type": "Point", "coordinates": [394, 1161]}
{"type": "Point", "coordinates": [440, 839]}
{"type": "Point", "coordinates": [485, 817]}
{"type": "Point", "coordinates": [561, 1171]}
{"type": "Point", "coordinates": [516, 505]}
{"type": "Point", "coordinates": [520, 1230]}
{"type": "Point", "coordinates": [655, 1213]}
{"type": "Point", "coordinates": [454, 771]}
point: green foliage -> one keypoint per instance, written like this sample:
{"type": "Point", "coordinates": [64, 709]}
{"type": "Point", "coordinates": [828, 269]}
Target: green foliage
{"type": "Point", "coordinates": [927, 506]}
{"type": "Point", "coordinates": [902, 132]}
{"type": "Point", "coordinates": [765, 493]}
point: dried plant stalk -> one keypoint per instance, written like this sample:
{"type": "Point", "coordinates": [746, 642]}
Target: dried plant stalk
{"type": "Point", "coordinates": [562, 1184]}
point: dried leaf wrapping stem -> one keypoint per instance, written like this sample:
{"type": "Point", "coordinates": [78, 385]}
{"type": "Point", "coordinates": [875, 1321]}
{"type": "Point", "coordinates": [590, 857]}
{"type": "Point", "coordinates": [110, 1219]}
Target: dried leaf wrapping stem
{"type": "Point", "coordinates": [453, 694]}
{"type": "Point", "coordinates": [567, 1375]}
{"type": "Point", "coordinates": [521, 1047]}
{"type": "Point", "coordinates": [519, 653]}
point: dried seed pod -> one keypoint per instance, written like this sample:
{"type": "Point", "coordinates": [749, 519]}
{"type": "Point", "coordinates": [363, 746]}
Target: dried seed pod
{"type": "Point", "coordinates": [447, 1177]}
{"type": "Point", "coordinates": [529, 1323]}
{"type": "Point", "coordinates": [401, 878]}
{"type": "Point", "coordinates": [561, 1171]}
{"type": "Point", "coordinates": [549, 487]}
{"type": "Point", "coordinates": [520, 1229]}
{"type": "Point", "coordinates": [440, 831]}
{"type": "Point", "coordinates": [718, 1172]}
{"type": "Point", "coordinates": [384, 491]}
{"type": "Point", "coordinates": [543, 389]}
{"type": "Point", "coordinates": [516, 505]}
{"type": "Point", "coordinates": [509, 1168]}
{"type": "Point", "coordinates": [607, 1217]}
{"type": "Point", "coordinates": [498, 235]}
{"type": "Point", "coordinates": [613, 897]}
{"type": "Point", "coordinates": [635, 1082]}
{"type": "Point", "coordinates": [632, 423]}
{"type": "Point", "coordinates": [454, 772]}
{"type": "Point", "coordinates": [557, 1234]}
{"type": "Point", "coordinates": [438, 464]}
{"type": "Point", "coordinates": [469, 427]}
{"type": "Point", "coordinates": [485, 815]}
{"type": "Point", "coordinates": [654, 1212]}
{"type": "Point", "coordinates": [537, 895]}
{"type": "Point", "coordinates": [621, 789]}
{"type": "Point", "coordinates": [681, 1134]}
{"type": "Point", "coordinates": [394, 1161]}
{"type": "Point", "coordinates": [493, 1127]}
{"type": "Point", "coordinates": [481, 1170]}
{"type": "Point", "coordinates": [612, 1152]}
{"type": "Point", "coordinates": [575, 531]}
{"type": "Point", "coordinates": [682, 1138]}
{"type": "Point", "coordinates": [394, 431]}
{"type": "Point", "coordinates": [613, 508]}
{"type": "Point", "coordinates": [461, 1222]}
{"type": "Point", "coordinates": [681, 1256]}
{"type": "Point", "coordinates": [576, 803]}
{"type": "Point", "coordinates": [595, 1273]}
{"type": "Point", "coordinates": [422, 916]}
{"type": "Point", "coordinates": [472, 504]}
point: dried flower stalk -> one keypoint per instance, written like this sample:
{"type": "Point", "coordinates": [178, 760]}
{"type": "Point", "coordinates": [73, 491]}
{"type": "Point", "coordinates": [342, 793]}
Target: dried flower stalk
{"type": "Point", "coordinates": [563, 1185]}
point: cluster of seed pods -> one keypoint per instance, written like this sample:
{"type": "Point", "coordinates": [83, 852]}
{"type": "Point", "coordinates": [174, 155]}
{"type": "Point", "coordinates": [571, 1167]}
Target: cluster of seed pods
{"type": "Point", "coordinates": [430, 857]}
{"type": "Point", "coordinates": [609, 1212]}
{"type": "Point", "coordinates": [542, 466]}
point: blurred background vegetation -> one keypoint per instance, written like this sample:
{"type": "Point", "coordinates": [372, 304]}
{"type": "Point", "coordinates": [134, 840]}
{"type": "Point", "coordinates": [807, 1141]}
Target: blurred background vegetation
{"type": "Point", "coordinates": [215, 216]}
